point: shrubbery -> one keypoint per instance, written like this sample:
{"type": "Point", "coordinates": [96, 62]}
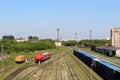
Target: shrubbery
{"type": "Point", "coordinates": [12, 46]}
{"type": "Point", "coordinates": [70, 43]}
{"type": "Point", "coordinates": [94, 43]}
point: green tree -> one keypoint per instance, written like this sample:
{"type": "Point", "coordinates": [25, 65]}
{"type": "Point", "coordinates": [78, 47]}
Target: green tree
{"type": "Point", "coordinates": [10, 37]}
{"type": "Point", "coordinates": [70, 43]}
{"type": "Point", "coordinates": [35, 38]}
{"type": "Point", "coordinates": [30, 37]}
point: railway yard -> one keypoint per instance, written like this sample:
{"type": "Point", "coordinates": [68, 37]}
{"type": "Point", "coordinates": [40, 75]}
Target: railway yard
{"type": "Point", "coordinates": [62, 65]}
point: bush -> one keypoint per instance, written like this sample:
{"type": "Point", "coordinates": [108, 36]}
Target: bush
{"type": "Point", "coordinates": [70, 43]}
{"type": "Point", "coordinates": [93, 47]}
{"type": "Point", "coordinates": [10, 46]}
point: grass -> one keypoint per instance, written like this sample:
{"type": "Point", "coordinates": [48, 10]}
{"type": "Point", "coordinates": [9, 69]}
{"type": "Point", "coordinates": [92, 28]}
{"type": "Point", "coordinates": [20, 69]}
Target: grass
{"type": "Point", "coordinates": [31, 56]}
{"type": "Point", "coordinates": [6, 63]}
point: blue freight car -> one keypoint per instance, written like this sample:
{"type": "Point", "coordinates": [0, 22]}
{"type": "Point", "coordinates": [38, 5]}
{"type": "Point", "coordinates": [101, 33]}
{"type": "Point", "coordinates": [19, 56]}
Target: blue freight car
{"type": "Point", "coordinates": [86, 58]}
{"type": "Point", "coordinates": [105, 69]}
{"type": "Point", "coordinates": [117, 75]}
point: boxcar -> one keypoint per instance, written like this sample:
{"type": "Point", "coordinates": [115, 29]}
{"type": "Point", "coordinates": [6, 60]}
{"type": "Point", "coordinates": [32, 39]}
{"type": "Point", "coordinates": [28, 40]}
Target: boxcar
{"type": "Point", "coordinates": [86, 58]}
{"type": "Point", "coordinates": [105, 69]}
{"type": "Point", "coordinates": [117, 75]}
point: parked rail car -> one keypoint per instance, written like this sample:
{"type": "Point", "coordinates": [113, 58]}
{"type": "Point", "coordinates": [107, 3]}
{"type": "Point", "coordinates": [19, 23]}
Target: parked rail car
{"type": "Point", "coordinates": [86, 58]}
{"type": "Point", "coordinates": [117, 75]}
{"type": "Point", "coordinates": [20, 59]}
{"type": "Point", "coordinates": [42, 56]}
{"type": "Point", "coordinates": [104, 69]}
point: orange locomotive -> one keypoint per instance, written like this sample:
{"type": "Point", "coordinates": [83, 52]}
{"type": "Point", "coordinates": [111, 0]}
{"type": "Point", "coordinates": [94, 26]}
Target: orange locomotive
{"type": "Point", "coordinates": [20, 59]}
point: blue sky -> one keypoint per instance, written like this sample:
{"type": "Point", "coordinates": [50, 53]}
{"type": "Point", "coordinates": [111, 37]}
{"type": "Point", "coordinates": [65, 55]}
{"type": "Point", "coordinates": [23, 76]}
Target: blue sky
{"type": "Point", "coordinates": [41, 18]}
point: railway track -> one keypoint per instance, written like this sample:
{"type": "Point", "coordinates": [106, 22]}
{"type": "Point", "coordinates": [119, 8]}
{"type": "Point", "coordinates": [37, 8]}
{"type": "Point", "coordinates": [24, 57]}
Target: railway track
{"type": "Point", "coordinates": [12, 75]}
{"type": "Point", "coordinates": [7, 69]}
{"type": "Point", "coordinates": [63, 66]}
{"type": "Point", "coordinates": [71, 70]}
{"type": "Point", "coordinates": [58, 70]}
{"type": "Point", "coordinates": [89, 73]}
{"type": "Point", "coordinates": [42, 67]}
{"type": "Point", "coordinates": [50, 70]}
{"type": "Point", "coordinates": [43, 73]}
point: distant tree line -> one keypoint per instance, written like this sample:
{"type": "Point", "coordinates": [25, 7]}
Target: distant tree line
{"type": "Point", "coordinates": [70, 43]}
{"type": "Point", "coordinates": [33, 38]}
{"type": "Point", "coordinates": [11, 37]}
{"type": "Point", "coordinates": [10, 45]}
{"type": "Point", "coordinates": [33, 44]}
{"type": "Point", "coordinates": [87, 43]}
{"type": "Point", "coordinates": [94, 43]}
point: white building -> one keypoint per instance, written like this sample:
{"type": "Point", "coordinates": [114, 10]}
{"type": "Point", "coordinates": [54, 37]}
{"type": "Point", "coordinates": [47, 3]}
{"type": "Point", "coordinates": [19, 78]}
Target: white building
{"type": "Point", "coordinates": [58, 43]}
{"type": "Point", "coordinates": [115, 37]}
{"type": "Point", "coordinates": [21, 40]}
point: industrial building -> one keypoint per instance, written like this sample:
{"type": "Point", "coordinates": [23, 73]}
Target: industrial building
{"type": "Point", "coordinates": [109, 51]}
{"type": "Point", "coordinates": [115, 37]}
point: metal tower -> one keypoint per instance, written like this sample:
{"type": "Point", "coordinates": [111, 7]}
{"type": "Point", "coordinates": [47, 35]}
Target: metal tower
{"type": "Point", "coordinates": [58, 34]}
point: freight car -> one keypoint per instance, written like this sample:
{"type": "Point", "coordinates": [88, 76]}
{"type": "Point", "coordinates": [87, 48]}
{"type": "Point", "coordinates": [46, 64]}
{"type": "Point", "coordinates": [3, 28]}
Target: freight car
{"type": "Point", "coordinates": [42, 56]}
{"type": "Point", "coordinates": [104, 69]}
{"type": "Point", "coordinates": [20, 59]}
{"type": "Point", "coordinates": [86, 58]}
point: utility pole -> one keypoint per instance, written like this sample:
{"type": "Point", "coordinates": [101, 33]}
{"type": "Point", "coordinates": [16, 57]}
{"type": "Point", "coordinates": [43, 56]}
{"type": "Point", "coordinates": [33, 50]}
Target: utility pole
{"type": "Point", "coordinates": [58, 34]}
{"type": "Point", "coordinates": [90, 36]}
{"type": "Point", "coordinates": [90, 46]}
{"type": "Point", "coordinates": [2, 58]}
{"type": "Point", "coordinates": [76, 36]}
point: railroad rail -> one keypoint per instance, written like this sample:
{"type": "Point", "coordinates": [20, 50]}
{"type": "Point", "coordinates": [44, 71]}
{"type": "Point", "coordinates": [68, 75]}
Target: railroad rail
{"type": "Point", "coordinates": [88, 71]}
{"type": "Point", "coordinates": [12, 75]}
{"type": "Point", "coordinates": [71, 70]}
{"type": "Point", "coordinates": [59, 67]}
{"type": "Point", "coordinates": [42, 66]}
{"type": "Point", "coordinates": [58, 70]}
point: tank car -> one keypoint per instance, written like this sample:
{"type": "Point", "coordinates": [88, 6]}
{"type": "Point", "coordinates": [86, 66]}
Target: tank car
{"type": "Point", "coordinates": [42, 56]}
